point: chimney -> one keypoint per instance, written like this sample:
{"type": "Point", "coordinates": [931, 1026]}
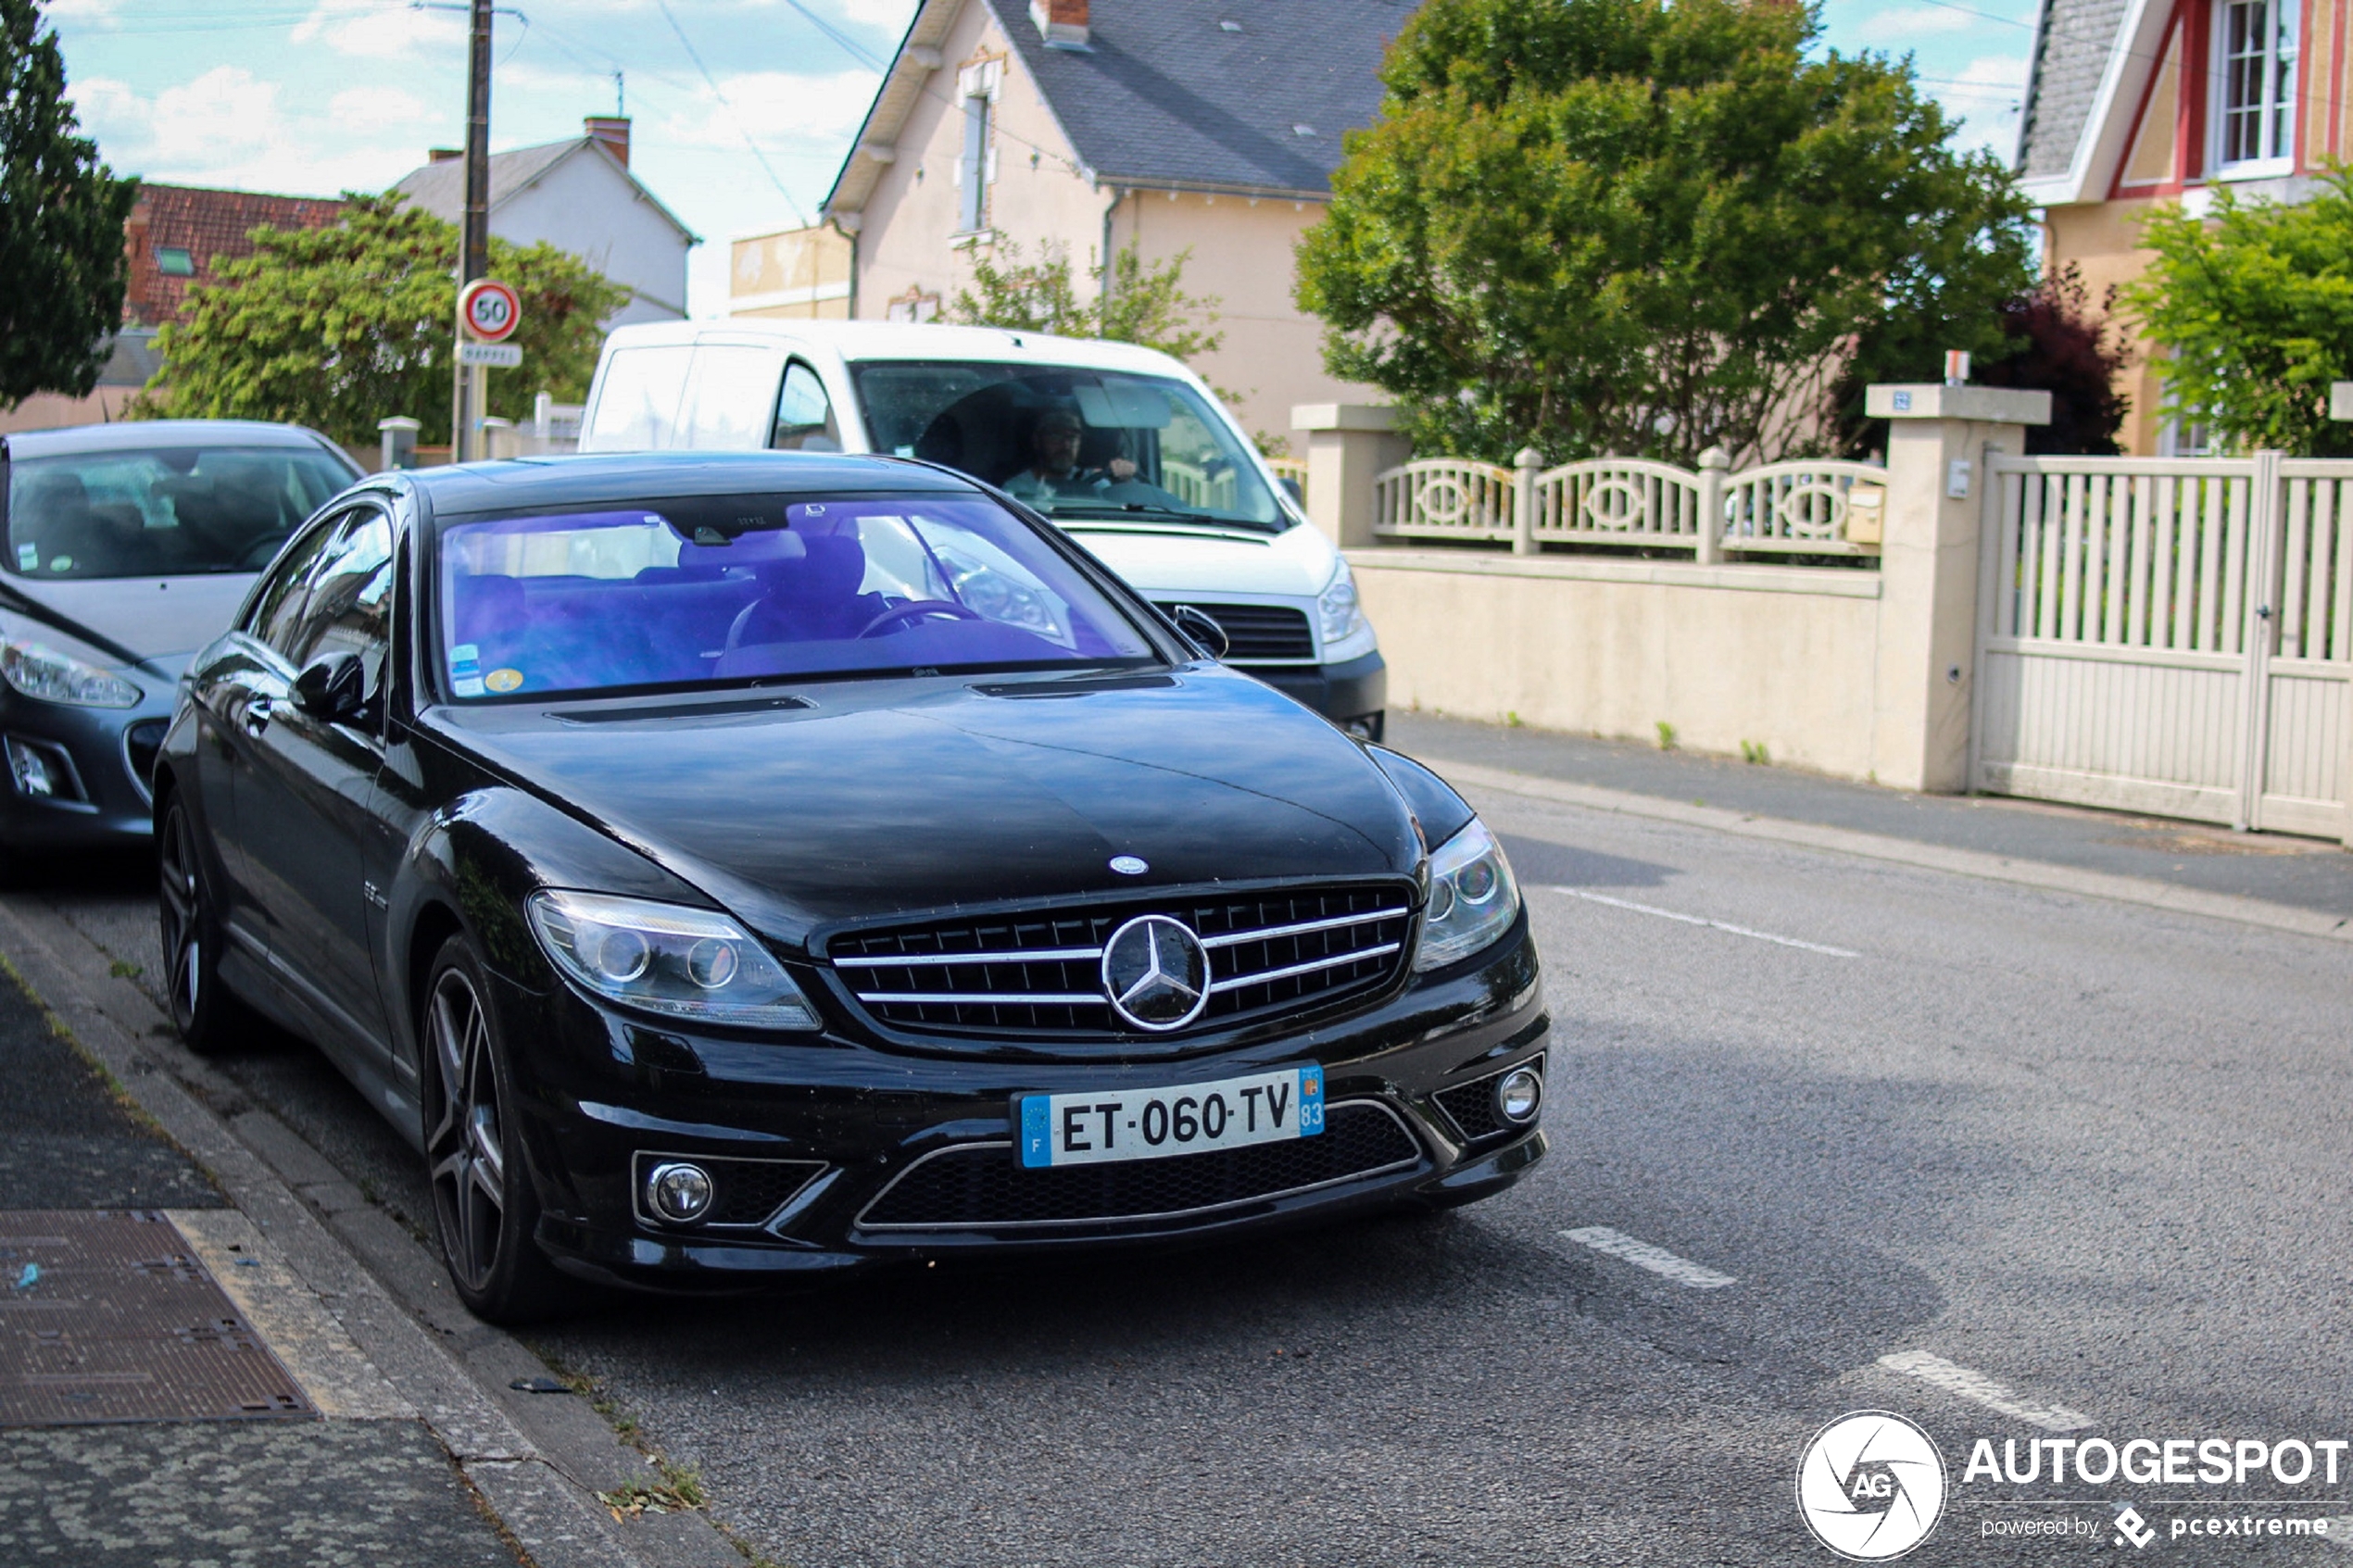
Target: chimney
{"type": "Point", "coordinates": [444, 155]}
{"type": "Point", "coordinates": [612, 129]}
{"type": "Point", "coordinates": [1062, 23]}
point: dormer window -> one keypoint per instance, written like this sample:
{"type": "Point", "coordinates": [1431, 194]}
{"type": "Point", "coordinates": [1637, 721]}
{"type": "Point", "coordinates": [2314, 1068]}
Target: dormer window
{"type": "Point", "coordinates": [2254, 87]}
{"type": "Point", "coordinates": [173, 261]}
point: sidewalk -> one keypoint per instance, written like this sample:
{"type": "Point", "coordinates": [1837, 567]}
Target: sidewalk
{"type": "Point", "coordinates": [2296, 874]}
{"type": "Point", "coordinates": [216, 1347]}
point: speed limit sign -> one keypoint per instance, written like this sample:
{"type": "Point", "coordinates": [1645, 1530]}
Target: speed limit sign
{"type": "Point", "coordinates": [490, 310]}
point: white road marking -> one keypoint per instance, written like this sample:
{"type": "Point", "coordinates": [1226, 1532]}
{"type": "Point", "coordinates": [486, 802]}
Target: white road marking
{"type": "Point", "coordinates": [1983, 1390]}
{"type": "Point", "coordinates": [1657, 1260]}
{"type": "Point", "coordinates": [1701, 920]}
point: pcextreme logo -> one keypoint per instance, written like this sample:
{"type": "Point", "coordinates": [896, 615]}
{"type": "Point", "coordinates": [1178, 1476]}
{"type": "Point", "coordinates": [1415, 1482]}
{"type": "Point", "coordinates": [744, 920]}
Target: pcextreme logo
{"type": "Point", "coordinates": [1870, 1485]}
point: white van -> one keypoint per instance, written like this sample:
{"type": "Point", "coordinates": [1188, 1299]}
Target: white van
{"type": "Point", "coordinates": [1125, 448]}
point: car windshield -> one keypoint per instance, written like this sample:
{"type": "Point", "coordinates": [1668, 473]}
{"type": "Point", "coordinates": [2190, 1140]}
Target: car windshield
{"type": "Point", "coordinates": [1071, 442]}
{"type": "Point", "coordinates": [167, 512]}
{"type": "Point", "coordinates": [730, 589]}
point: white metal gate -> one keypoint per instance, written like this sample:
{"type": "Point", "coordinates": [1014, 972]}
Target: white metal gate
{"type": "Point", "coordinates": [2171, 635]}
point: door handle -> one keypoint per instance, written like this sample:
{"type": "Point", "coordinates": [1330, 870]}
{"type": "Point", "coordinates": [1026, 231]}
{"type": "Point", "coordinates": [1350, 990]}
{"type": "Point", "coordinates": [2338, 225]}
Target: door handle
{"type": "Point", "coordinates": [257, 715]}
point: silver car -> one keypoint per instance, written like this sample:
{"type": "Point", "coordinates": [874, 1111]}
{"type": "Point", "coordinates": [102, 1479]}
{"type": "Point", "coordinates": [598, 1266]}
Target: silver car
{"type": "Point", "coordinates": [128, 547]}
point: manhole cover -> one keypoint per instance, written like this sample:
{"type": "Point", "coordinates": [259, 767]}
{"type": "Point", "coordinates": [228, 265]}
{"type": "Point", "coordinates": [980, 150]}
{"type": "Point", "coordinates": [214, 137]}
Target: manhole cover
{"type": "Point", "coordinates": [108, 1316]}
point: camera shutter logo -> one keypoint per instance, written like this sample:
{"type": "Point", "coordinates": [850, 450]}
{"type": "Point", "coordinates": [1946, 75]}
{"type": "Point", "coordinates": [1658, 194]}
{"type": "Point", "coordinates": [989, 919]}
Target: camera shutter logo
{"type": "Point", "coordinates": [1156, 972]}
{"type": "Point", "coordinates": [1871, 1487]}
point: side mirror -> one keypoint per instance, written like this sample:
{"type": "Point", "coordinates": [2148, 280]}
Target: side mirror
{"type": "Point", "coordinates": [1291, 489]}
{"type": "Point", "coordinates": [333, 687]}
{"type": "Point", "coordinates": [1202, 628]}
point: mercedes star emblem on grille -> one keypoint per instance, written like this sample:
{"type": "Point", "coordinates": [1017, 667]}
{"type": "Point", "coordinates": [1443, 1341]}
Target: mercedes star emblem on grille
{"type": "Point", "coordinates": [1156, 972]}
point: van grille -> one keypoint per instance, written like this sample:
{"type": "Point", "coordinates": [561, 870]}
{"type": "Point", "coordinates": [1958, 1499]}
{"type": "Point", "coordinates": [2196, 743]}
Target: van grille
{"type": "Point", "coordinates": [1260, 633]}
{"type": "Point", "coordinates": [1039, 972]}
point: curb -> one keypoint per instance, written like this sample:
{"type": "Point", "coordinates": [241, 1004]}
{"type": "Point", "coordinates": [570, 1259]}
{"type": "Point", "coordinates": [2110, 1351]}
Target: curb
{"type": "Point", "coordinates": [361, 1308]}
{"type": "Point", "coordinates": [1906, 852]}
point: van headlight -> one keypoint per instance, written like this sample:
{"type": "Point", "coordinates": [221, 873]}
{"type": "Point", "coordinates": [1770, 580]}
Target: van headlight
{"type": "Point", "coordinates": [668, 958]}
{"type": "Point", "coordinates": [1337, 607]}
{"type": "Point", "coordinates": [51, 676]}
{"type": "Point", "coordinates": [1473, 898]}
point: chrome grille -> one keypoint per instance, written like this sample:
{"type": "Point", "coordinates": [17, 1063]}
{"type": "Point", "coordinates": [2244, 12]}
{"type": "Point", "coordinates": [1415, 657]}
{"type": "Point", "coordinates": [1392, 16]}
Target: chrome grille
{"type": "Point", "coordinates": [1260, 633]}
{"type": "Point", "coordinates": [1040, 973]}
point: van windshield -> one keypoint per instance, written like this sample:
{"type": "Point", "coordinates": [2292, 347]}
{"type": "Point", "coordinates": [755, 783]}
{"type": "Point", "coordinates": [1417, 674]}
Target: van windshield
{"type": "Point", "coordinates": [1072, 442]}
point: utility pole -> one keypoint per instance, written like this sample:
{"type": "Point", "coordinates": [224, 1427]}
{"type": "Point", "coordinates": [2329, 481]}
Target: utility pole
{"type": "Point", "coordinates": [473, 255]}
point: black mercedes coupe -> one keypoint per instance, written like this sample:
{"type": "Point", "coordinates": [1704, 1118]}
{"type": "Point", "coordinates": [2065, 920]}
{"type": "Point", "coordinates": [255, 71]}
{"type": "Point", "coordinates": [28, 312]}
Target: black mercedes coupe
{"type": "Point", "coordinates": [739, 870]}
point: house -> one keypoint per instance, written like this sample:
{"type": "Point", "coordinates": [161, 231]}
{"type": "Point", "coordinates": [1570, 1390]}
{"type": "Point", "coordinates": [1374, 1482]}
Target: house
{"type": "Point", "coordinates": [176, 236]}
{"type": "Point", "coordinates": [579, 196]}
{"type": "Point", "coordinates": [1207, 126]}
{"type": "Point", "coordinates": [2137, 102]}
{"type": "Point", "coordinates": [796, 274]}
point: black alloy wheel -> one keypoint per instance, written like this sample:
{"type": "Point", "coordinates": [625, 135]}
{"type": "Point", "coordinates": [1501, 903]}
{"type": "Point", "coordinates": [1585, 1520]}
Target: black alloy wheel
{"type": "Point", "coordinates": [202, 1010]}
{"type": "Point", "coordinates": [484, 1207]}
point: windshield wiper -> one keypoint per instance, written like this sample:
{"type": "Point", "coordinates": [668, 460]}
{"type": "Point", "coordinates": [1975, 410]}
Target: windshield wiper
{"type": "Point", "coordinates": [1149, 508]}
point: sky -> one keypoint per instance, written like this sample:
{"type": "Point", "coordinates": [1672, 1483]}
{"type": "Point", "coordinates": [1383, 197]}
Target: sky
{"type": "Point", "coordinates": [742, 108]}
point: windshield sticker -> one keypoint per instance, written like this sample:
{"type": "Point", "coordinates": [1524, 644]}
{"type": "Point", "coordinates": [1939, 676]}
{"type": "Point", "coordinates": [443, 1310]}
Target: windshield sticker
{"type": "Point", "coordinates": [61, 563]}
{"type": "Point", "coordinates": [465, 653]}
{"type": "Point", "coordinates": [466, 685]}
{"type": "Point", "coordinates": [27, 558]}
{"type": "Point", "coordinates": [503, 680]}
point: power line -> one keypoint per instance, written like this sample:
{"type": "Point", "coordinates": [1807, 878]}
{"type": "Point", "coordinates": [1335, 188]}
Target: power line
{"type": "Point", "coordinates": [724, 103]}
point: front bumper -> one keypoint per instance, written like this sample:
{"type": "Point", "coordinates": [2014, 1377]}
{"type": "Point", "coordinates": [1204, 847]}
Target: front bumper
{"type": "Point", "coordinates": [823, 1130]}
{"type": "Point", "coordinates": [1355, 689]}
{"type": "Point", "coordinates": [98, 800]}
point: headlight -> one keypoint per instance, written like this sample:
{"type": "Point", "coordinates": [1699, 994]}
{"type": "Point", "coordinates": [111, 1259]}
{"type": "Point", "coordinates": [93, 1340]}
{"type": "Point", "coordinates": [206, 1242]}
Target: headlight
{"type": "Point", "coordinates": [665, 958]}
{"type": "Point", "coordinates": [1473, 898]}
{"type": "Point", "coordinates": [1337, 607]}
{"type": "Point", "coordinates": [45, 674]}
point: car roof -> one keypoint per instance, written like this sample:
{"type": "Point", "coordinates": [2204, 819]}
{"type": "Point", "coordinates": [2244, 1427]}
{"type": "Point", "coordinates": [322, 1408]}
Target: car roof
{"type": "Point", "coordinates": [904, 340]}
{"type": "Point", "coordinates": [646, 476]}
{"type": "Point", "coordinates": [133, 435]}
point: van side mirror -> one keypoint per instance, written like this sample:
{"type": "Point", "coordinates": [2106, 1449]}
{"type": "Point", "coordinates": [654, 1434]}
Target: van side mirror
{"type": "Point", "coordinates": [333, 687]}
{"type": "Point", "coordinates": [1202, 629]}
{"type": "Point", "coordinates": [1291, 489]}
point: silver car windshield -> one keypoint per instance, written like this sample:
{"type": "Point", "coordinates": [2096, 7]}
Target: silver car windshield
{"type": "Point", "coordinates": [168, 512]}
{"type": "Point", "coordinates": [1070, 442]}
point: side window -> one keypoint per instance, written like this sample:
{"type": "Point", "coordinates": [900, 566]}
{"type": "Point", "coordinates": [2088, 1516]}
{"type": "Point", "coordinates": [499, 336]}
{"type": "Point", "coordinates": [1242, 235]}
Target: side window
{"type": "Point", "coordinates": [729, 393]}
{"type": "Point", "coordinates": [637, 403]}
{"type": "Point", "coordinates": [350, 602]}
{"type": "Point", "coordinates": [284, 593]}
{"type": "Point", "coordinates": [804, 414]}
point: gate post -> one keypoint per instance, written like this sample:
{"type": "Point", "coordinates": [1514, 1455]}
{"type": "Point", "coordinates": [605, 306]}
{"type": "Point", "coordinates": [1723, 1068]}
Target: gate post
{"type": "Point", "coordinates": [1937, 441]}
{"type": "Point", "coordinates": [1715, 469]}
{"type": "Point", "coordinates": [1349, 445]}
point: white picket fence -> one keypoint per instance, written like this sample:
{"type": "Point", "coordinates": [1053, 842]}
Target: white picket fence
{"type": "Point", "coordinates": [1821, 508]}
{"type": "Point", "coordinates": [2169, 635]}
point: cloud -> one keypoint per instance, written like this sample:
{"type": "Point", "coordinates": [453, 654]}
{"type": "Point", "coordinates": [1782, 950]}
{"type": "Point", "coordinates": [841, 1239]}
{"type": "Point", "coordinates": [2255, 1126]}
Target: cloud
{"type": "Point", "coordinates": [1986, 98]}
{"type": "Point", "coordinates": [376, 30]}
{"type": "Point", "coordinates": [371, 108]}
{"type": "Point", "coordinates": [1904, 25]}
{"type": "Point", "coordinates": [775, 109]}
{"type": "Point", "coordinates": [78, 10]}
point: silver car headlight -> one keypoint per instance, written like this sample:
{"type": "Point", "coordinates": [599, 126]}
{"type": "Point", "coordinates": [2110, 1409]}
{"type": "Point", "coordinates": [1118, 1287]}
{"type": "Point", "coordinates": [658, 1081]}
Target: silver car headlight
{"type": "Point", "coordinates": [1337, 607]}
{"type": "Point", "coordinates": [51, 676]}
{"type": "Point", "coordinates": [1473, 898]}
{"type": "Point", "coordinates": [668, 958]}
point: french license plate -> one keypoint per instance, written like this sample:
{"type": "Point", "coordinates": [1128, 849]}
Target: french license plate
{"type": "Point", "coordinates": [1090, 1127]}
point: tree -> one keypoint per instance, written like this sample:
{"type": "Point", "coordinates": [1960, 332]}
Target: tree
{"type": "Point", "coordinates": [2253, 305]}
{"type": "Point", "coordinates": [2050, 340]}
{"type": "Point", "coordinates": [338, 328]}
{"type": "Point", "coordinates": [62, 271]}
{"type": "Point", "coordinates": [1647, 227]}
{"type": "Point", "coordinates": [1144, 302]}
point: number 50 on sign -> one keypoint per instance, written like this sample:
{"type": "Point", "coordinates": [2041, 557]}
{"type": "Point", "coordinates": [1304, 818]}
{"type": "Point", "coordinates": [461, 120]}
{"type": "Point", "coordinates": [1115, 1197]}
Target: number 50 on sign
{"type": "Point", "coordinates": [490, 310]}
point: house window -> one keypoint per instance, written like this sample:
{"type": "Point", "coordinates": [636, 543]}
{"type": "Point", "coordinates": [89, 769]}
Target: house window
{"type": "Point", "coordinates": [173, 261]}
{"type": "Point", "coordinates": [976, 92]}
{"type": "Point", "coordinates": [2255, 85]}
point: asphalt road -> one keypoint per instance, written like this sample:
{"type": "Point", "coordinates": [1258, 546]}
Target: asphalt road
{"type": "Point", "coordinates": [2094, 1155]}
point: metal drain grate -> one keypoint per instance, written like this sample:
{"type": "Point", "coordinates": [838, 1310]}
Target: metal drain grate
{"type": "Point", "coordinates": [107, 1315]}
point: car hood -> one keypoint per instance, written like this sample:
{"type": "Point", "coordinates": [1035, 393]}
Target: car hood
{"type": "Point", "coordinates": [155, 622]}
{"type": "Point", "coordinates": [1163, 561]}
{"type": "Point", "coordinates": [891, 797]}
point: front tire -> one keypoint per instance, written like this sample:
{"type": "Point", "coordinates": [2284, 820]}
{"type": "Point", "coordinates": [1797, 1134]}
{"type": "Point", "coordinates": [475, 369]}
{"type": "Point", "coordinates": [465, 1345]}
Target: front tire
{"type": "Point", "coordinates": [203, 1011]}
{"type": "Point", "coordinates": [484, 1209]}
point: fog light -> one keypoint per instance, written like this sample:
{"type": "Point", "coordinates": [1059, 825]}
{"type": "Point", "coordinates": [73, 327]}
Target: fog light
{"type": "Point", "coordinates": [41, 771]}
{"type": "Point", "coordinates": [1519, 1094]}
{"type": "Point", "coordinates": [678, 1192]}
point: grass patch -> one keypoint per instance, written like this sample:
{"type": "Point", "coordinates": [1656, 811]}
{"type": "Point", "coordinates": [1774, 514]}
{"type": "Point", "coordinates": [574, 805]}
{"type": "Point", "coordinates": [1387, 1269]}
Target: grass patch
{"type": "Point", "coordinates": [678, 1492]}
